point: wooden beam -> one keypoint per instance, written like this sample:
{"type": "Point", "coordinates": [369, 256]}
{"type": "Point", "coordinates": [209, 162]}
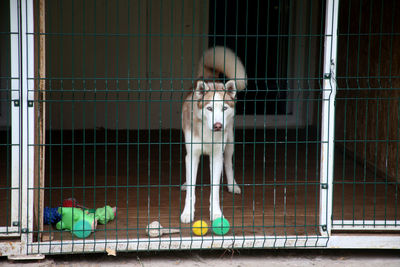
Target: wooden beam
{"type": "Point", "coordinates": [40, 115]}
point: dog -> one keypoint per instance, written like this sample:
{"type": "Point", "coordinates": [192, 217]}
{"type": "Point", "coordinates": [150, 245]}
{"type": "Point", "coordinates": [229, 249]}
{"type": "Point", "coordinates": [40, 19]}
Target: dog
{"type": "Point", "coordinates": [207, 122]}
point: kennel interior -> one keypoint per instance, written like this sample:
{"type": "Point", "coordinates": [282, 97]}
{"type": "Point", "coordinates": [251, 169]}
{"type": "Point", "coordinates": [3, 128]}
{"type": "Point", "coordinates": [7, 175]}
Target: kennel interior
{"type": "Point", "coordinates": [110, 79]}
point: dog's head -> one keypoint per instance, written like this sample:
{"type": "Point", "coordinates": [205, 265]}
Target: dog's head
{"type": "Point", "coordinates": [216, 102]}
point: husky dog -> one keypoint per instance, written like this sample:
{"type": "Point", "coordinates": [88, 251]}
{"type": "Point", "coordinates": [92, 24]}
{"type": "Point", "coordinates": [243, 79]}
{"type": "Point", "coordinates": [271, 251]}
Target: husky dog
{"type": "Point", "coordinates": [207, 120]}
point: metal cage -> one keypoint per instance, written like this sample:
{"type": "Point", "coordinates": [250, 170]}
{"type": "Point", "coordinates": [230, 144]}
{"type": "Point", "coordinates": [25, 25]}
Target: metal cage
{"type": "Point", "coordinates": [90, 115]}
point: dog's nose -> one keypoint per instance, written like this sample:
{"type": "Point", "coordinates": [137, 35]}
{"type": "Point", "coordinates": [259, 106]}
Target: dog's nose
{"type": "Point", "coordinates": [217, 126]}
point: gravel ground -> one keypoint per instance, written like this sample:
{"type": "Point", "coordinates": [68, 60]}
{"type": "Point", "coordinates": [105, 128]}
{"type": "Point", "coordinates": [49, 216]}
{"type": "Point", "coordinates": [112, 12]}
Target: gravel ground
{"type": "Point", "coordinates": [240, 258]}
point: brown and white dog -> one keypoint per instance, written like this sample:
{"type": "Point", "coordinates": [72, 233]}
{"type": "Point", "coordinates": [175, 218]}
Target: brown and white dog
{"type": "Point", "coordinates": [207, 120]}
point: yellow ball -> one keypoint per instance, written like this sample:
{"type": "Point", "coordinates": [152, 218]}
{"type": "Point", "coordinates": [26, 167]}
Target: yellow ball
{"type": "Point", "coordinates": [199, 227]}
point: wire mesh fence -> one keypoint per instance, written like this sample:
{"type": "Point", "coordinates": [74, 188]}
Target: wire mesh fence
{"type": "Point", "coordinates": [367, 105]}
{"type": "Point", "coordinates": [117, 76]}
{"type": "Point", "coordinates": [112, 80]}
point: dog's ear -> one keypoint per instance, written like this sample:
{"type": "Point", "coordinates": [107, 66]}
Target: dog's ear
{"type": "Point", "coordinates": [201, 88]}
{"type": "Point", "coordinates": [230, 87]}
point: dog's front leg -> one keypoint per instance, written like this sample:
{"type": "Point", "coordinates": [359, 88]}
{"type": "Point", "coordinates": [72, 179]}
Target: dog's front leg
{"type": "Point", "coordinates": [216, 164]}
{"type": "Point", "coordinates": [192, 163]}
{"type": "Point", "coordinates": [228, 154]}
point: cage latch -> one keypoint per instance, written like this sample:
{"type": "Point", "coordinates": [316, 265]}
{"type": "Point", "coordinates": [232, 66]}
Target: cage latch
{"type": "Point", "coordinates": [327, 75]}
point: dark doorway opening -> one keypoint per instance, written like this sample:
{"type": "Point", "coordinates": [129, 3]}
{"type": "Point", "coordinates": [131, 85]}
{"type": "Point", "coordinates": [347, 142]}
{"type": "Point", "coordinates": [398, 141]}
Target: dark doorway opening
{"type": "Point", "coordinates": [257, 32]}
{"type": "Point", "coordinates": [5, 59]}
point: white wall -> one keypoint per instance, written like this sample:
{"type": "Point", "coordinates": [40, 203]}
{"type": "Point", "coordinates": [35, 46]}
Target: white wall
{"type": "Point", "coordinates": [123, 40]}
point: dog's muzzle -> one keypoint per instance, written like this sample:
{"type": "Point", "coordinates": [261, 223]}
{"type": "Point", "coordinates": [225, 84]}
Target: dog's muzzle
{"type": "Point", "coordinates": [217, 126]}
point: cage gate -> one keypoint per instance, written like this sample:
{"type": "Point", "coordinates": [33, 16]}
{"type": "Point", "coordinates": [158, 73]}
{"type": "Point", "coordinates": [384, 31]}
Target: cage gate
{"type": "Point", "coordinates": [91, 102]}
{"type": "Point", "coordinates": [10, 115]}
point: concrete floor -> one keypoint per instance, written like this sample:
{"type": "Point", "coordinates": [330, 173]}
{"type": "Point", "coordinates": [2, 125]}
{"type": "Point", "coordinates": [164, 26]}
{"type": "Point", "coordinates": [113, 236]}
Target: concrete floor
{"type": "Point", "coordinates": [241, 258]}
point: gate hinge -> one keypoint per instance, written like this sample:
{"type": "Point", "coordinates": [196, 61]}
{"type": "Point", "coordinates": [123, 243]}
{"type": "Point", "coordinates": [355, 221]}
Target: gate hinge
{"type": "Point", "coordinates": [30, 103]}
{"type": "Point", "coordinates": [16, 223]}
{"type": "Point", "coordinates": [324, 186]}
{"type": "Point", "coordinates": [16, 103]}
{"type": "Point", "coordinates": [324, 228]}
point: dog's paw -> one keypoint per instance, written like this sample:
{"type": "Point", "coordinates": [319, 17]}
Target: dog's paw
{"type": "Point", "coordinates": [215, 215]}
{"type": "Point", "coordinates": [187, 217]}
{"type": "Point", "coordinates": [184, 187]}
{"type": "Point", "coordinates": [234, 189]}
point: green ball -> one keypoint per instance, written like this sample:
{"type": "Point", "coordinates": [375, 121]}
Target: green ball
{"type": "Point", "coordinates": [220, 226]}
{"type": "Point", "coordinates": [82, 229]}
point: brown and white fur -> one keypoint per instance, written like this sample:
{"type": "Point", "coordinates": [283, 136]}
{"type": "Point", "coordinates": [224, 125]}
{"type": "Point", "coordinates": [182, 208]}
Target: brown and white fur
{"type": "Point", "coordinates": [207, 120]}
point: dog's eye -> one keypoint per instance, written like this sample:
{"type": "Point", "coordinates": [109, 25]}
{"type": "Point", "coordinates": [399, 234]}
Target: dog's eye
{"type": "Point", "coordinates": [210, 108]}
{"type": "Point", "coordinates": [225, 108]}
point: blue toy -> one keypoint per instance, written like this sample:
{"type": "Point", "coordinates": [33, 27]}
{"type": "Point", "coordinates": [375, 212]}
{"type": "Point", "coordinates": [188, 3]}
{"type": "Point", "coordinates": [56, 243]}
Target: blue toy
{"type": "Point", "coordinates": [51, 215]}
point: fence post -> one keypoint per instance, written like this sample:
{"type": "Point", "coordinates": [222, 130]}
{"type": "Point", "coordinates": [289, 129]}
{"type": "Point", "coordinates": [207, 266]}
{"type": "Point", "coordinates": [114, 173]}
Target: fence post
{"type": "Point", "coordinates": [328, 116]}
{"type": "Point", "coordinates": [27, 108]}
{"type": "Point", "coordinates": [15, 113]}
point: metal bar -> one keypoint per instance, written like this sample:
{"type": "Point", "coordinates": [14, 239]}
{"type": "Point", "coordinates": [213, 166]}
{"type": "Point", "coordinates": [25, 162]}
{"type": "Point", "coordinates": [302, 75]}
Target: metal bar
{"type": "Point", "coordinates": [328, 115]}
{"type": "Point", "coordinates": [27, 148]}
{"type": "Point", "coordinates": [227, 242]}
{"type": "Point", "coordinates": [146, 244]}
{"type": "Point", "coordinates": [15, 111]}
{"type": "Point", "coordinates": [353, 225]}
{"type": "Point", "coordinates": [6, 231]}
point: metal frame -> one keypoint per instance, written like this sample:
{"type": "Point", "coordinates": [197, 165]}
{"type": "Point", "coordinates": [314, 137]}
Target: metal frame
{"type": "Point", "coordinates": [228, 242]}
{"type": "Point", "coordinates": [27, 108]}
{"type": "Point", "coordinates": [26, 246]}
{"type": "Point", "coordinates": [22, 116]}
{"type": "Point", "coordinates": [328, 115]}
{"type": "Point", "coordinates": [14, 229]}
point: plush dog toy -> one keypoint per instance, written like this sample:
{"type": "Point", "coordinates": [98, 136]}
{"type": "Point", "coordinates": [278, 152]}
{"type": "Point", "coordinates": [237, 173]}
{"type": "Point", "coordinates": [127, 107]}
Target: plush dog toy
{"type": "Point", "coordinates": [80, 222]}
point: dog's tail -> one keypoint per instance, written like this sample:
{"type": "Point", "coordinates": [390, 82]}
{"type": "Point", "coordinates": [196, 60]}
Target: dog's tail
{"type": "Point", "coordinates": [220, 59]}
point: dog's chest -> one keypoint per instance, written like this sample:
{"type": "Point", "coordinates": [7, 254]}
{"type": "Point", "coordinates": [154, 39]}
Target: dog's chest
{"type": "Point", "coordinates": [208, 142]}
